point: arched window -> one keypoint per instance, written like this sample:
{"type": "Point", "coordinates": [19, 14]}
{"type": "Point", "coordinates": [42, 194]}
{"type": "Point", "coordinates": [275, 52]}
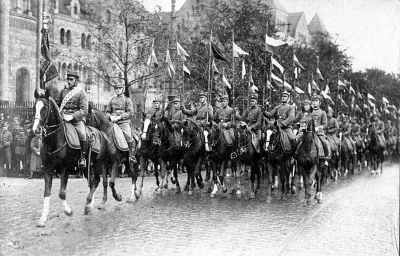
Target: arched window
{"type": "Point", "coordinates": [62, 36]}
{"type": "Point", "coordinates": [89, 42]}
{"type": "Point", "coordinates": [83, 41]}
{"type": "Point", "coordinates": [108, 16]}
{"type": "Point", "coordinates": [69, 67]}
{"type": "Point", "coordinates": [25, 6]}
{"type": "Point", "coordinates": [64, 71]}
{"type": "Point", "coordinates": [69, 40]}
{"type": "Point", "coordinates": [76, 67]}
{"type": "Point", "coordinates": [22, 85]}
{"type": "Point", "coordinates": [76, 9]}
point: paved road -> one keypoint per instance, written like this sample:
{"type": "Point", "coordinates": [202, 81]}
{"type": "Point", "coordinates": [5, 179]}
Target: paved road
{"type": "Point", "coordinates": [359, 216]}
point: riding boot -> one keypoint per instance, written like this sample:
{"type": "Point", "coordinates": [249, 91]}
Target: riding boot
{"type": "Point", "coordinates": [84, 148]}
{"type": "Point", "coordinates": [132, 158]}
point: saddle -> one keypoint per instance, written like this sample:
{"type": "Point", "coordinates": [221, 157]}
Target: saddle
{"type": "Point", "coordinates": [227, 136]}
{"type": "Point", "coordinates": [119, 138]}
{"type": "Point", "coordinates": [333, 142]}
{"type": "Point", "coordinates": [177, 140]}
{"type": "Point", "coordinates": [318, 145]}
{"type": "Point", "coordinates": [256, 141]}
{"type": "Point", "coordinates": [95, 138]}
{"type": "Point", "coordinates": [71, 135]}
{"type": "Point", "coordinates": [348, 144]}
{"type": "Point", "coordinates": [285, 142]}
{"type": "Point", "coordinates": [136, 137]}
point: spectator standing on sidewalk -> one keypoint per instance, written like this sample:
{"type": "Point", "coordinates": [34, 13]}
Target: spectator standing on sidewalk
{"type": "Point", "coordinates": [36, 160]}
{"type": "Point", "coordinates": [5, 149]}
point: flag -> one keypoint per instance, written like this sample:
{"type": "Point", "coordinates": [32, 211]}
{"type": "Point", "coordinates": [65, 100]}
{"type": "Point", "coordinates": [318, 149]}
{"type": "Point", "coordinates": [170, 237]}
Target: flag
{"type": "Point", "coordinates": [47, 67]}
{"type": "Point", "coordinates": [358, 109]}
{"type": "Point", "coordinates": [359, 95]}
{"type": "Point", "coordinates": [152, 59]}
{"type": "Point", "coordinates": [170, 66]}
{"type": "Point", "coordinates": [385, 101]}
{"type": "Point", "coordinates": [253, 88]}
{"type": "Point", "coordinates": [271, 44]}
{"type": "Point", "coordinates": [243, 70]}
{"type": "Point", "coordinates": [371, 103]}
{"type": "Point", "coordinates": [298, 90]}
{"type": "Point", "coordinates": [352, 90]}
{"type": "Point", "coordinates": [215, 70]}
{"type": "Point", "coordinates": [319, 75]}
{"type": "Point", "coordinates": [269, 85]}
{"type": "Point", "coordinates": [276, 79]}
{"type": "Point", "coordinates": [186, 71]}
{"type": "Point", "coordinates": [370, 97]}
{"type": "Point", "coordinates": [238, 51]}
{"type": "Point", "coordinates": [315, 86]}
{"type": "Point", "coordinates": [341, 85]}
{"type": "Point", "coordinates": [342, 102]}
{"type": "Point", "coordinates": [276, 64]}
{"type": "Point", "coordinates": [217, 53]}
{"type": "Point", "coordinates": [296, 72]}
{"type": "Point", "coordinates": [327, 91]}
{"type": "Point", "coordinates": [297, 63]}
{"type": "Point", "coordinates": [287, 86]}
{"type": "Point", "coordinates": [309, 90]}
{"type": "Point", "coordinates": [325, 94]}
{"type": "Point", "coordinates": [225, 82]}
{"type": "Point", "coordinates": [181, 51]}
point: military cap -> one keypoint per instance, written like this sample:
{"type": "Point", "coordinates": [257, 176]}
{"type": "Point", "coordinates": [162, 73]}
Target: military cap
{"type": "Point", "coordinates": [203, 94]}
{"type": "Point", "coordinates": [72, 73]}
{"type": "Point", "coordinates": [285, 93]}
{"type": "Point", "coordinates": [306, 101]}
{"type": "Point", "coordinates": [119, 85]}
{"type": "Point", "coordinates": [176, 98]}
{"type": "Point", "coordinates": [316, 97]}
{"type": "Point", "coordinates": [253, 96]}
{"type": "Point", "coordinates": [224, 96]}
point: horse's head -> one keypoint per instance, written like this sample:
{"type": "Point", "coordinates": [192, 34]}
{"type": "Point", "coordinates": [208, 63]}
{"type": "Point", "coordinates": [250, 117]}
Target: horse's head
{"type": "Point", "coordinates": [45, 107]}
{"type": "Point", "coordinates": [211, 135]}
{"type": "Point", "coordinates": [308, 127]}
{"type": "Point", "coordinates": [243, 138]}
{"type": "Point", "coordinates": [190, 132]}
{"type": "Point", "coordinates": [162, 129]}
{"type": "Point", "coordinates": [270, 135]}
{"type": "Point", "coordinates": [97, 119]}
{"type": "Point", "coordinates": [148, 129]}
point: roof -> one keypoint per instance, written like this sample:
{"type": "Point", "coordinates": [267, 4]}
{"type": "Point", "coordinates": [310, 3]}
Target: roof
{"type": "Point", "coordinates": [316, 25]}
{"type": "Point", "coordinates": [274, 4]}
{"type": "Point", "coordinates": [293, 19]}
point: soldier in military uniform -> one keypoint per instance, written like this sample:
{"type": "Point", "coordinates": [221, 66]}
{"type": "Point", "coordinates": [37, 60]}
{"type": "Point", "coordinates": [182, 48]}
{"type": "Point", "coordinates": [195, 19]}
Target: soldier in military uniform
{"type": "Point", "coordinates": [320, 120]}
{"type": "Point", "coordinates": [355, 132]}
{"type": "Point", "coordinates": [29, 133]}
{"type": "Point", "coordinates": [36, 161]}
{"type": "Point", "coordinates": [302, 117]}
{"type": "Point", "coordinates": [379, 127]}
{"type": "Point", "coordinates": [14, 128]}
{"type": "Point", "coordinates": [224, 116]}
{"type": "Point", "coordinates": [284, 114]}
{"type": "Point", "coordinates": [332, 130]}
{"type": "Point", "coordinates": [345, 129]}
{"type": "Point", "coordinates": [5, 149]}
{"type": "Point", "coordinates": [175, 115]}
{"type": "Point", "coordinates": [21, 150]}
{"type": "Point", "coordinates": [73, 105]}
{"type": "Point", "coordinates": [119, 111]}
{"type": "Point", "coordinates": [203, 112]}
{"type": "Point", "coordinates": [252, 116]}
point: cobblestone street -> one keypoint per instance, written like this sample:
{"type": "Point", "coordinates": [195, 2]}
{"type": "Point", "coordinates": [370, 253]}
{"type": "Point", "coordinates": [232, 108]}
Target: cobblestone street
{"type": "Point", "coordinates": [359, 216]}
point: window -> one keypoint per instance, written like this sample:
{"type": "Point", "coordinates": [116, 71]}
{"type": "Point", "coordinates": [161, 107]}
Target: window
{"type": "Point", "coordinates": [69, 40]}
{"type": "Point", "coordinates": [89, 42]}
{"type": "Point", "coordinates": [25, 6]}
{"type": "Point", "coordinates": [69, 67]}
{"type": "Point", "coordinates": [108, 16]}
{"type": "Point", "coordinates": [83, 41]}
{"type": "Point", "coordinates": [63, 71]}
{"type": "Point", "coordinates": [76, 9]}
{"type": "Point", "coordinates": [22, 85]}
{"type": "Point", "coordinates": [62, 36]}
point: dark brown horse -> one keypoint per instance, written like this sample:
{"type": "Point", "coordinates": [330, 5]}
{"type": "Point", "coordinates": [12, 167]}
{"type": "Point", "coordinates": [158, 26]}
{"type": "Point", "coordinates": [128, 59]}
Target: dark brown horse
{"type": "Point", "coordinates": [309, 164]}
{"type": "Point", "coordinates": [219, 152]}
{"type": "Point", "coordinates": [193, 140]}
{"type": "Point", "coordinates": [375, 151]}
{"type": "Point", "coordinates": [57, 155]}
{"type": "Point", "coordinates": [98, 119]}
{"type": "Point", "coordinates": [347, 157]}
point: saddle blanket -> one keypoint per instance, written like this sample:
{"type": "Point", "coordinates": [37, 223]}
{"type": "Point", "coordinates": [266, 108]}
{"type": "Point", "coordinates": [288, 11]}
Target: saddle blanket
{"type": "Point", "coordinates": [228, 137]}
{"type": "Point", "coordinates": [333, 142]}
{"type": "Point", "coordinates": [256, 141]}
{"type": "Point", "coordinates": [349, 145]}
{"type": "Point", "coordinates": [177, 137]}
{"type": "Point", "coordinates": [71, 135]}
{"type": "Point", "coordinates": [135, 135]}
{"type": "Point", "coordinates": [285, 143]}
{"type": "Point", "coordinates": [95, 138]}
{"type": "Point", "coordinates": [119, 138]}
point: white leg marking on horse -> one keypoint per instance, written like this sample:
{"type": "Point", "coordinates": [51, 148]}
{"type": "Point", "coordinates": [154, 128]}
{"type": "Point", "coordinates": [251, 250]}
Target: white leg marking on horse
{"type": "Point", "coordinates": [45, 212]}
{"type": "Point", "coordinates": [67, 209]}
{"type": "Point", "coordinates": [39, 106]}
{"type": "Point", "coordinates": [214, 192]}
{"type": "Point", "coordinates": [206, 141]}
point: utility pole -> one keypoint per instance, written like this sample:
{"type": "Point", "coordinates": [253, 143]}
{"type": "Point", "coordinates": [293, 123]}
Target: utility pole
{"type": "Point", "coordinates": [171, 39]}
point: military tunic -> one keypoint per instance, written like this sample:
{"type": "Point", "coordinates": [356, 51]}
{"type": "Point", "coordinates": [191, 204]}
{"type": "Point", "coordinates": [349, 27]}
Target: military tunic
{"type": "Point", "coordinates": [21, 149]}
{"type": "Point", "coordinates": [5, 148]}
{"type": "Point", "coordinates": [332, 129]}
{"type": "Point", "coordinates": [380, 129]}
{"type": "Point", "coordinates": [154, 114]}
{"type": "Point", "coordinates": [301, 118]}
{"type": "Point", "coordinates": [76, 106]}
{"type": "Point", "coordinates": [225, 116]}
{"type": "Point", "coordinates": [320, 120]}
{"type": "Point", "coordinates": [36, 160]}
{"type": "Point", "coordinates": [201, 113]}
{"type": "Point", "coordinates": [122, 106]}
{"type": "Point", "coordinates": [284, 114]}
{"type": "Point", "coordinates": [253, 117]}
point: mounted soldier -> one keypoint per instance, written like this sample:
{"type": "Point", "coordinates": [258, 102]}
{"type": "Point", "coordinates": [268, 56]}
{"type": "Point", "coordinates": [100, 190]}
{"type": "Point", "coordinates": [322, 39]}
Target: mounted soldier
{"type": "Point", "coordinates": [119, 110]}
{"type": "Point", "coordinates": [73, 104]}
{"type": "Point", "coordinates": [379, 127]}
{"type": "Point", "coordinates": [203, 113]}
{"type": "Point", "coordinates": [302, 117]}
{"type": "Point", "coordinates": [345, 129]}
{"type": "Point", "coordinates": [355, 132]}
{"type": "Point", "coordinates": [284, 115]}
{"type": "Point", "coordinates": [252, 116]}
{"type": "Point", "coordinates": [175, 115]}
{"type": "Point", "coordinates": [224, 117]}
{"type": "Point", "coordinates": [332, 131]}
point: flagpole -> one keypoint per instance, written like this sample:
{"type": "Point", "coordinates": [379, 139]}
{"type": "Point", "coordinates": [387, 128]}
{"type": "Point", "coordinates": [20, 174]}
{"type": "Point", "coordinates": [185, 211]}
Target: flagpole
{"type": "Point", "coordinates": [270, 80]}
{"type": "Point", "coordinates": [337, 94]}
{"type": "Point", "coordinates": [294, 76]}
{"type": "Point", "coordinates": [209, 70]}
{"type": "Point", "coordinates": [265, 73]}
{"type": "Point", "coordinates": [39, 42]}
{"type": "Point", "coordinates": [233, 71]}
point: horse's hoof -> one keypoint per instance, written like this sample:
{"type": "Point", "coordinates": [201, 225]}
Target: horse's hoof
{"type": "Point", "coordinates": [41, 224]}
{"type": "Point", "coordinates": [224, 190]}
{"type": "Point", "coordinates": [88, 209]}
{"type": "Point", "coordinates": [101, 206]}
{"type": "Point", "coordinates": [178, 190]}
{"type": "Point", "coordinates": [319, 201]}
{"type": "Point", "coordinates": [173, 181]}
{"type": "Point", "coordinates": [190, 193]}
{"type": "Point", "coordinates": [212, 195]}
{"type": "Point", "coordinates": [293, 190]}
{"type": "Point", "coordinates": [137, 194]}
{"type": "Point", "coordinates": [118, 197]}
{"type": "Point", "coordinates": [68, 213]}
{"type": "Point", "coordinates": [186, 188]}
{"type": "Point", "coordinates": [252, 195]}
{"type": "Point", "coordinates": [209, 190]}
{"type": "Point", "coordinates": [201, 185]}
{"type": "Point", "coordinates": [308, 202]}
{"type": "Point", "coordinates": [233, 192]}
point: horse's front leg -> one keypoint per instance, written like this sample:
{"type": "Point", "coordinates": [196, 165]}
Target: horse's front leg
{"type": "Point", "coordinates": [252, 180]}
{"type": "Point", "coordinates": [104, 169]}
{"type": "Point", "coordinates": [214, 183]}
{"type": "Point", "coordinates": [175, 173]}
{"type": "Point", "coordinates": [222, 175]}
{"type": "Point", "coordinates": [163, 170]}
{"type": "Point", "coordinates": [93, 185]}
{"type": "Point", "coordinates": [114, 168]}
{"type": "Point", "coordinates": [63, 191]}
{"type": "Point", "coordinates": [197, 172]}
{"type": "Point", "coordinates": [48, 180]}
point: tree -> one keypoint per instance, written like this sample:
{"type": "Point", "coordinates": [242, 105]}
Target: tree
{"type": "Point", "coordinates": [122, 41]}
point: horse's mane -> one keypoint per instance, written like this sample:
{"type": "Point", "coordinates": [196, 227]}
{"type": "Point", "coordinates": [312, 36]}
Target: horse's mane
{"type": "Point", "coordinates": [54, 105]}
{"type": "Point", "coordinates": [167, 123]}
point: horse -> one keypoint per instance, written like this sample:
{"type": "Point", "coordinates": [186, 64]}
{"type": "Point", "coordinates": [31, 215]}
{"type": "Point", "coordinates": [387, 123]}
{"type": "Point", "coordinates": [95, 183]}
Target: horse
{"type": "Point", "coordinates": [309, 164]}
{"type": "Point", "coordinates": [278, 158]}
{"type": "Point", "coordinates": [170, 151]}
{"type": "Point", "coordinates": [347, 157]}
{"type": "Point", "coordinates": [58, 155]}
{"type": "Point", "coordinates": [219, 151]}
{"type": "Point", "coordinates": [375, 151]}
{"type": "Point", "coordinates": [248, 155]}
{"type": "Point", "coordinates": [193, 141]}
{"type": "Point", "coordinates": [98, 119]}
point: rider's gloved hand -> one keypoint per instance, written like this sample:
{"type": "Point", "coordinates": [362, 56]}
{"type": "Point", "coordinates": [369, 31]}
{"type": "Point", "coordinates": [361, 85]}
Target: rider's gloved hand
{"type": "Point", "coordinates": [68, 117]}
{"type": "Point", "coordinates": [225, 125]}
{"type": "Point", "coordinates": [181, 107]}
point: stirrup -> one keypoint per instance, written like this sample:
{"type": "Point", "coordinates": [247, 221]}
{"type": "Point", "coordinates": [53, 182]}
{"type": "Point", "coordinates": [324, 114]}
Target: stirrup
{"type": "Point", "coordinates": [132, 159]}
{"type": "Point", "coordinates": [82, 162]}
{"type": "Point", "coordinates": [233, 155]}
